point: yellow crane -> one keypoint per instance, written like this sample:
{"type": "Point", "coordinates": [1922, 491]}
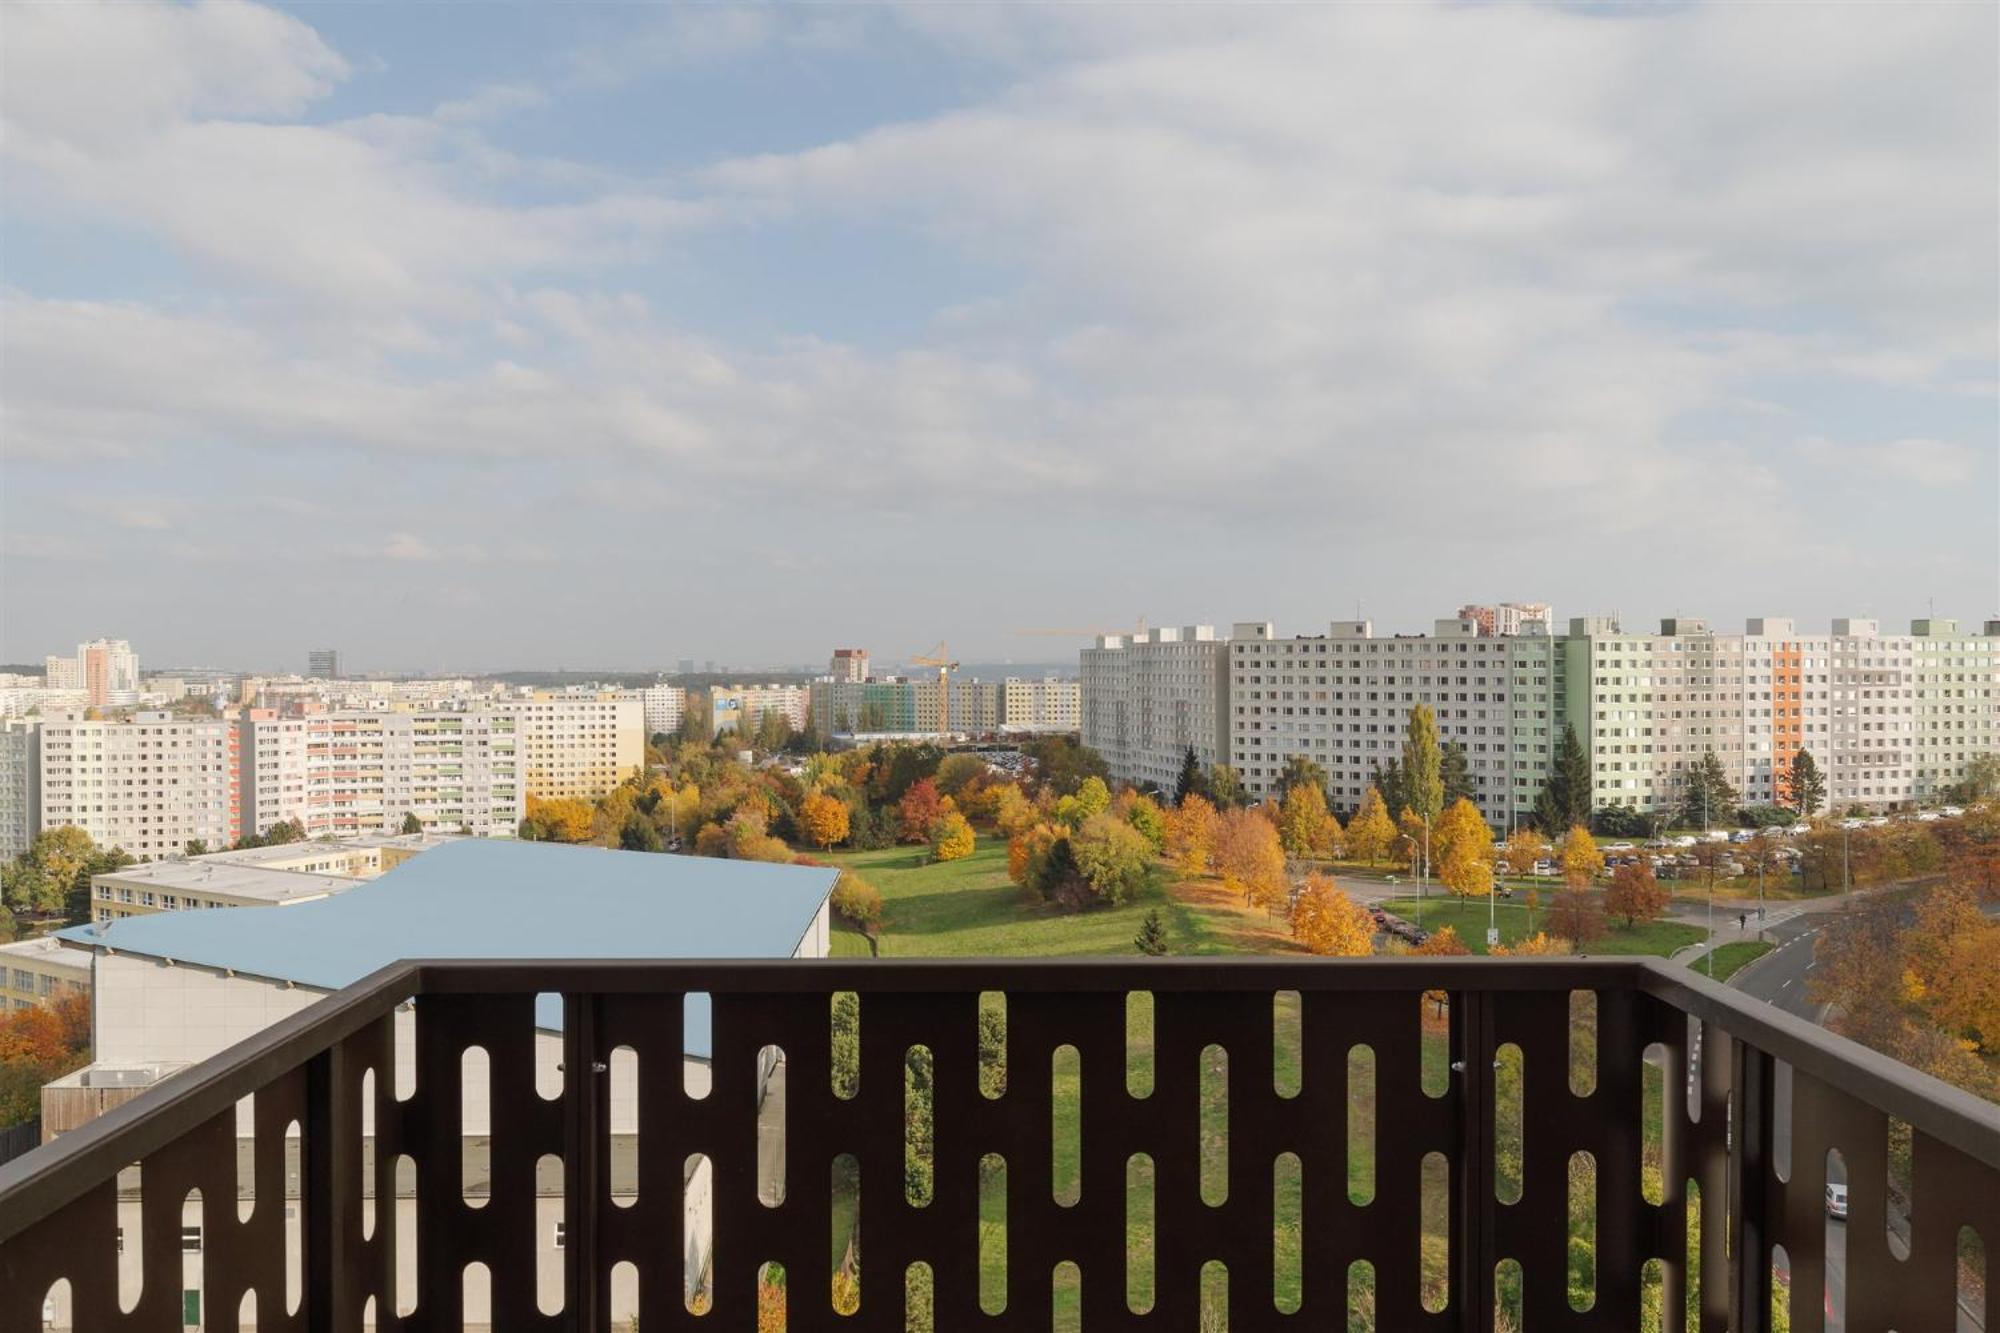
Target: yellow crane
{"type": "Point", "coordinates": [940, 658]}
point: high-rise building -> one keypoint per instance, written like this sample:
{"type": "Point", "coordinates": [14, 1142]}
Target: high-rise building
{"type": "Point", "coordinates": [850, 665]}
{"type": "Point", "coordinates": [577, 745]}
{"type": "Point", "coordinates": [1510, 618]}
{"type": "Point", "coordinates": [741, 708]}
{"type": "Point", "coordinates": [1046, 705]}
{"type": "Point", "coordinates": [663, 705]}
{"type": "Point", "coordinates": [323, 664]}
{"type": "Point", "coordinates": [150, 784]}
{"type": "Point", "coordinates": [110, 672]}
{"type": "Point", "coordinates": [1146, 699]}
{"type": "Point", "coordinates": [62, 673]}
{"type": "Point", "coordinates": [20, 785]}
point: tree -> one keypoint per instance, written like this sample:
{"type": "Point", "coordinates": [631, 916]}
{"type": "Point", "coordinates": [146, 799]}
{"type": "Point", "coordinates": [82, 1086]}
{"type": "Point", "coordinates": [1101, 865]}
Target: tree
{"type": "Point", "coordinates": [1305, 829]}
{"type": "Point", "coordinates": [1392, 784]}
{"type": "Point", "coordinates": [1250, 858]}
{"type": "Point", "coordinates": [411, 824]}
{"type": "Point", "coordinates": [919, 808]}
{"type": "Point", "coordinates": [284, 832]}
{"type": "Point", "coordinates": [1112, 858]}
{"type": "Point", "coordinates": [1091, 798]}
{"type": "Point", "coordinates": [1635, 893]}
{"type": "Point", "coordinates": [1580, 858]}
{"type": "Point", "coordinates": [1980, 780]}
{"type": "Point", "coordinates": [1421, 764]}
{"type": "Point", "coordinates": [1539, 945]}
{"type": "Point", "coordinates": [1707, 795]}
{"type": "Point", "coordinates": [1462, 848]}
{"type": "Point", "coordinates": [1061, 765]}
{"type": "Point", "coordinates": [639, 834]}
{"type": "Point", "coordinates": [951, 837]}
{"type": "Point", "coordinates": [1371, 832]}
{"type": "Point", "coordinates": [956, 772]}
{"type": "Point", "coordinates": [824, 819]}
{"type": "Point", "coordinates": [1191, 828]}
{"type": "Point", "coordinates": [1564, 801]}
{"type": "Point", "coordinates": [38, 1044]}
{"type": "Point", "coordinates": [1522, 849]}
{"type": "Point", "coordinates": [42, 878]}
{"type": "Point", "coordinates": [857, 901]}
{"type": "Point", "coordinates": [1577, 916]}
{"type": "Point", "coordinates": [1455, 772]}
{"type": "Point", "coordinates": [1152, 937]}
{"type": "Point", "coordinates": [1329, 923]}
{"type": "Point", "coordinates": [1805, 785]}
{"type": "Point", "coordinates": [1443, 943]}
{"type": "Point", "coordinates": [1301, 771]}
{"type": "Point", "coordinates": [1225, 787]}
{"type": "Point", "coordinates": [563, 820]}
{"type": "Point", "coordinates": [1144, 814]}
{"type": "Point", "coordinates": [1192, 782]}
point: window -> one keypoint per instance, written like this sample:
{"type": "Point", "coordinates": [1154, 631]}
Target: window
{"type": "Point", "coordinates": [190, 1240]}
{"type": "Point", "coordinates": [559, 1237]}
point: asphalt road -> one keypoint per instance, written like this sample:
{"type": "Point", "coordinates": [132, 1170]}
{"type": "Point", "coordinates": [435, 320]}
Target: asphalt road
{"type": "Point", "coordinates": [1780, 976]}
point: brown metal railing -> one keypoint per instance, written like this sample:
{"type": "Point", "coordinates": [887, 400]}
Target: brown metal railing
{"type": "Point", "coordinates": [1740, 1088]}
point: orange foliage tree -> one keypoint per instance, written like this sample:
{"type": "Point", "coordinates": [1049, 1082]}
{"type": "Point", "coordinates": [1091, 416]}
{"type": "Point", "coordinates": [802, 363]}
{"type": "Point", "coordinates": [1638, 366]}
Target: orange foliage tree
{"type": "Point", "coordinates": [1329, 923]}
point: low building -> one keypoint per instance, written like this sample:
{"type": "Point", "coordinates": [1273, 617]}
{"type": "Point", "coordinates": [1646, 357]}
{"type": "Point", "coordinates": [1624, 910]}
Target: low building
{"type": "Point", "coordinates": [36, 971]}
{"type": "Point", "coordinates": [282, 876]}
{"type": "Point", "coordinates": [174, 989]}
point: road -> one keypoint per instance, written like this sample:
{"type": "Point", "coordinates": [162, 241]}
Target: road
{"type": "Point", "coordinates": [1780, 976]}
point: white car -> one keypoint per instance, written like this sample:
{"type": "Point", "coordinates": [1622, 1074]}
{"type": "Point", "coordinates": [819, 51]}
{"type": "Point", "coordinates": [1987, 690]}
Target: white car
{"type": "Point", "coordinates": [1836, 1202]}
{"type": "Point", "coordinates": [1799, 828]}
{"type": "Point", "coordinates": [1951, 811]}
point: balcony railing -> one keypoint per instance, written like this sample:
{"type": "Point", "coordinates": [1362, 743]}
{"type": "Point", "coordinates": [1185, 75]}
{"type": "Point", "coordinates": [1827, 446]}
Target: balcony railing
{"type": "Point", "coordinates": [1321, 1144]}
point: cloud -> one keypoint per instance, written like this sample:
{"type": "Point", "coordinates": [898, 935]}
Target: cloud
{"type": "Point", "coordinates": [1934, 463]}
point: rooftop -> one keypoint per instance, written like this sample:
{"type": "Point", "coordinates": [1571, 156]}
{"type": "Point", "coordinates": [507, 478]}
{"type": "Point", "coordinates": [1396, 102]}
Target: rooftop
{"type": "Point", "coordinates": [267, 883]}
{"type": "Point", "coordinates": [48, 949]}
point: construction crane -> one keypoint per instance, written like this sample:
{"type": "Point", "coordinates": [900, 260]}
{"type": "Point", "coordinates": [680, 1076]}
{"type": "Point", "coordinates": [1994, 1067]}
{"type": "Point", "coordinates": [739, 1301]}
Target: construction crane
{"type": "Point", "coordinates": [940, 658]}
{"type": "Point", "coordinates": [1069, 633]}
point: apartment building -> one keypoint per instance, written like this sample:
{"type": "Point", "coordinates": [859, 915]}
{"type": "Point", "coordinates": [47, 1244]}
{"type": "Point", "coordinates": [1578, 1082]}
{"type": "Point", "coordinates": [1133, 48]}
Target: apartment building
{"type": "Point", "coordinates": [454, 770]}
{"type": "Point", "coordinates": [323, 664]}
{"type": "Point", "coordinates": [849, 665]}
{"type": "Point", "coordinates": [62, 673]}
{"type": "Point", "coordinates": [1145, 699]}
{"type": "Point", "coordinates": [281, 876]}
{"type": "Point", "coordinates": [741, 708]}
{"type": "Point", "coordinates": [20, 785]}
{"type": "Point", "coordinates": [149, 785]}
{"type": "Point", "coordinates": [1342, 699]}
{"type": "Point", "coordinates": [37, 971]}
{"type": "Point", "coordinates": [274, 757]}
{"type": "Point", "coordinates": [663, 707]}
{"type": "Point", "coordinates": [1509, 618]}
{"type": "Point", "coordinates": [579, 745]}
{"type": "Point", "coordinates": [1046, 705]}
{"type": "Point", "coordinates": [1956, 683]}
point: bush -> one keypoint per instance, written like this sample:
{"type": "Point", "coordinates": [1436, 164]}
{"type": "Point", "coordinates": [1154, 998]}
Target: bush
{"type": "Point", "coordinates": [1766, 816]}
{"type": "Point", "coordinates": [1618, 821]}
{"type": "Point", "coordinates": [857, 901]}
{"type": "Point", "coordinates": [951, 837]}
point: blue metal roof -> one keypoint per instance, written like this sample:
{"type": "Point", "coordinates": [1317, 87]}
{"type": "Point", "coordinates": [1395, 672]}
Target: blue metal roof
{"type": "Point", "coordinates": [499, 898]}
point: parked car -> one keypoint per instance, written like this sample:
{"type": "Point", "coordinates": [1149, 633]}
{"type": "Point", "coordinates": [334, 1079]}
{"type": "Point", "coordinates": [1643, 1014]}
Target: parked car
{"type": "Point", "coordinates": [1836, 1202]}
{"type": "Point", "coordinates": [1799, 828]}
{"type": "Point", "coordinates": [1545, 869]}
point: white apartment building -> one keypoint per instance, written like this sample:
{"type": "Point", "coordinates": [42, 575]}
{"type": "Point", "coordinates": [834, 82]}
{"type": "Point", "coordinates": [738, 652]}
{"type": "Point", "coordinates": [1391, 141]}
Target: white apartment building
{"type": "Point", "coordinates": [1343, 700]}
{"type": "Point", "coordinates": [741, 708]}
{"type": "Point", "coordinates": [62, 673]}
{"type": "Point", "coordinates": [20, 786]}
{"type": "Point", "coordinates": [275, 755]}
{"type": "Point", "coordinates": [149, 785]}
{"type": "Point", "coordinates": [849, 665]}
{"type": "Point", "coordinates": [455, 770]}
{"type": "Point", "coordinates": [663, 707]}
{"type": "Point", "coordinates": [1145, 699]}
{"type": "Point", "coordinates": [578, 745]}
{"type": "Point", "coordinates": [1957, 687]}
{"type": "Point", "coordinates": [1046, 705]}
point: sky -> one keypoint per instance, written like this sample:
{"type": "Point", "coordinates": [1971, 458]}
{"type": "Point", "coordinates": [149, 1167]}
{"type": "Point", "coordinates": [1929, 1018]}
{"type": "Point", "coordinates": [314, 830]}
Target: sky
{"type": "Point", "coordinates": [478, 335]}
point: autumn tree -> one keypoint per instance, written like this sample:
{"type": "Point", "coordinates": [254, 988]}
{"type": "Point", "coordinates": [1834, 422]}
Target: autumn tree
{"type": "Point", "coordinates": [1951, 967]}
{"type": "Point", "coordinates": [1462, 849]}
{"type": "Point", "coordinates": [1306, 830]}
{"type": "Point", "coordinates": [951, 837]}
{"type": "Point", "coordinates": [1301, 771]}
{"type": "Point", "coordinates": [920, 807]}
{"type": "Point", "coordinates": [857, 901]}
{"type": "Point", "coordinates": [1443, 943]}
{"type": "Point", "coordinates": [1225, 787]}
{"type": "Point", "coordinates": [1578, 916]}
{"type": "Point", "coordinates": [1143, 813]}
{"type": "Point", "coordinates": [1522, 849]}
{"type": "Point", "coordinates": [1422, 773]}
{"type": "Point", "coordinates": [1013, 813]}
{"type": "Point", "coordinates": [1329, 923]}
{"type": "Point", "coordinates": [1112, 858]}
{"type": "Point", "coordinates": [1371, 832]}
{"type": "Point", "coordinates": [1635, 893]}
{"type": "Point", "coordinates": [1250, 858]}
{"type": "Point", "coordinates": [824, 819]}
{"type": "Point", "coordinates": [38, 1044]}
{"type": "Point", "coordinates": [564, 819]}
{"type": "Point", "coordinates": [956, 772]}
{"type": "Point", "coordinates": [1191, 828]}
{"type": "Point", "coordinates": [1090, 798]}
{"type": "Point", "coordinates": [1541, 944]}
{"type": "Point", "coordinates": [1580, 858]}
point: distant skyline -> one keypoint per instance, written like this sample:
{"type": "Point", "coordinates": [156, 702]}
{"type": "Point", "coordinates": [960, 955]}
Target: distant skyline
{"type": "Point", "coordinates": [529, 336]}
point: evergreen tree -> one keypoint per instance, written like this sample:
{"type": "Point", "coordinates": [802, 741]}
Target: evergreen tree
{"type": "Point", "coordinates": [1301, 771]}
{"type": "Point", "coordinates": [1708, 795]}
{"type": "Point", "coordinates": [1193, 782]}
{"type": "Point", "coordinates": [1389, 782]}
{"type": "Point", "coordinates": [1421, 765]}
{"type": "Point", "coordinates": [1805, 785]}
{"type": "Point", "coordinates": [1455, 771]}
{"type": "Point", "coordinates": [1152, 938]}
{"type": "Point", "coordinates": [1564, 801]}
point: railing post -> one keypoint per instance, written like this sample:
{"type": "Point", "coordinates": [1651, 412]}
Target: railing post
{"type": "Point", "coordinates": [329, 1197]}
{"type": "Point", "coordinates": [1749, 1168]}
{"type": "Point", "coordinates": [585, 1122]}
{"type": "Point", "coordinates": [1472, 1239]}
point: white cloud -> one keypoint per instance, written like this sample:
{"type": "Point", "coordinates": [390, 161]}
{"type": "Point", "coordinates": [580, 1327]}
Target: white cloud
{"type": "Point", "coordinates": [1935, 463]}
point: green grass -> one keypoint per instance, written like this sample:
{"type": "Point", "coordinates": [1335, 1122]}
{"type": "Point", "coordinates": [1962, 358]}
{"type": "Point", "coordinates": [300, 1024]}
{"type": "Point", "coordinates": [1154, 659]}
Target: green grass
{"type": "Point", "coordinates": [970, 908]}
{"type": "Point", "coordinates": [1730, 958]}
{"type": "Point", "coordinates": [1468, 917]}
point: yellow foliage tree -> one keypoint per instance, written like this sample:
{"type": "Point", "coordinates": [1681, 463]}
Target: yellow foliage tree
{"type": "Point", "coordinates": [1371, 832]}
{"type": "Point", "coordinates": [824, 819]}
{"type": "Point", "coordinates": [1191, 835]}
{"type": "Point", "coordinates": [1538, 945]}
{"type": "Point", "coordinates": [1462, 847]}
{"type": "Point", "coordinates": [563, 820]}
{"type": "Point", "coordinates": [1250, 858]}
{"type": "Point", "coordinates": [951, 837]}
{"type": "Point", "coordinates": [1580, 858]}
{"type": "Point", "coordinates": [1443, 943]}
{"type": "Point", "coordinates": [1329, 923]}
{"type": "Point", "coordinates": [1305, 827]}
{"type": "Point", "coordinates": [1522, 849]}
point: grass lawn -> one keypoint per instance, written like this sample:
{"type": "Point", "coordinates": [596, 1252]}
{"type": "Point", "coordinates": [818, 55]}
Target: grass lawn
{"type": "Point", "coordinates": [970, 908]}
{"type": "Point", "coordinates": [1731, 957]}
{"type": "Point", "coordinates": [1468, 917]}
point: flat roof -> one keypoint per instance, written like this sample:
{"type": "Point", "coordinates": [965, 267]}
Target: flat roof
{"type": "Point", "coordinates": [48, 949]}
{"type": "Point", "coordinates": [267, 883]}
{"type": "Point", "coordinates": [500, 898]}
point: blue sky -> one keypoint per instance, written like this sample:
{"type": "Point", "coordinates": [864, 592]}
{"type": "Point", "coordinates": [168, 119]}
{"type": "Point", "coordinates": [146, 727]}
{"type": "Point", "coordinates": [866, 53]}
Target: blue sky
{"type": "Point", "coordinates": [486, 335]}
